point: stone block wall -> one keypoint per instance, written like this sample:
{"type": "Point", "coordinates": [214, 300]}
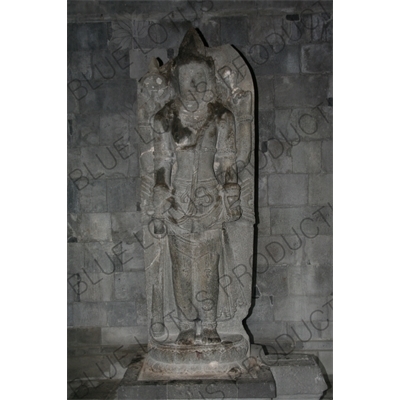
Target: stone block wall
{"type": "Point", "coordinates": [288, 45]}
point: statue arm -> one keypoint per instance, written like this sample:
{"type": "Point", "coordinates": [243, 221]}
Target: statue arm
{"type": "Point", "coordinates": [226, 159]}
{"type": "Point", "coordinates": [226, 150]}
{"type": "Point", "coordinates": [163, 159]}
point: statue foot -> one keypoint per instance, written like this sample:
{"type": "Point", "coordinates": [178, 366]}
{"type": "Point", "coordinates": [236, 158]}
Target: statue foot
{"type": "Point", "coordinates": [210, 336]}
{"type": "Point", "coordinates": [186, 337]}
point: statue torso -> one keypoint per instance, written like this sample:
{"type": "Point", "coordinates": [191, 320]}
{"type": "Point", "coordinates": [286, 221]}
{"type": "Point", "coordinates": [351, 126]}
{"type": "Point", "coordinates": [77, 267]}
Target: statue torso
{"type": "Point", "coordinates": [195, 186]}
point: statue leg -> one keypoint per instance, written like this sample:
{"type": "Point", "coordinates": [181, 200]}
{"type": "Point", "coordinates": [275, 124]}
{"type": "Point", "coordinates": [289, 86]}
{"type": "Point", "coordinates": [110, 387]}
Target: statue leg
{"type": "Point", "coordinates": [208, 289]}
{"type": "Point", "coordinates": [182, 277]}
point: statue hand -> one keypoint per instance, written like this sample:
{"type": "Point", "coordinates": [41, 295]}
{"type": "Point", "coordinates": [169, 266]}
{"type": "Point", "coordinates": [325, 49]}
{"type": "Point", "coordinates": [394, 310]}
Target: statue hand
{"type": "Point", "coordinates": [232, 201]}
{"type": "Point", "coordinates": [161, 197]}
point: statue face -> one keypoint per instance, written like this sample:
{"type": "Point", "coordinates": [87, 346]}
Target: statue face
{"type": "Point", "coordinates": [193, 82]}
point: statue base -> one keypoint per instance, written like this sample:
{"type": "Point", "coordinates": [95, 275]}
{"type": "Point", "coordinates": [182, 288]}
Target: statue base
{"type": "Point", "coordinates": [279, 377]}
{"type": "Point", "coordinates": [168, 360]}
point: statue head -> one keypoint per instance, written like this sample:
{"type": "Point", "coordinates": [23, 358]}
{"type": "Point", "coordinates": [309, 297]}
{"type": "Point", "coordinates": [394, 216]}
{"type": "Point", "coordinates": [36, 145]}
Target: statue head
{"type": "Point", "coordinates": [194, 72]}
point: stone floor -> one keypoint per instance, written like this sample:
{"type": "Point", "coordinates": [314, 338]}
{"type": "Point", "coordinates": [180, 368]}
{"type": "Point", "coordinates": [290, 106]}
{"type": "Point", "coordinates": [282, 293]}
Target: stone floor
{"type": "Point", "coordinates": [96, 372]}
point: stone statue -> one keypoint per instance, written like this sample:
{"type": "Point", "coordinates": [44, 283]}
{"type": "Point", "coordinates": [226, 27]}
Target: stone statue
{"type": "Point", "coordinates": [195, 118]}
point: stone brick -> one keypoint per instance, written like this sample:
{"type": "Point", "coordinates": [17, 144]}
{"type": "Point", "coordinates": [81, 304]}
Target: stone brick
{"type": "Point", "coordinates": [290, 308]}
{"type": "Point", "coordinates": [202, 390]}
{"type": "Point", "coordinates": [167, 32]}
{"type": "Point", "coordinates": [298, 376]}
{"type": "Point", "coordinates": [113, 127]}
{"type": "Point", "coordinates": [79, 66]}
{"type": "Point", "coordinates": [83, 336]}
{"type": "Point", "coordinates": [124, 228]}
{"type": "Point", "coordinates": [296, 281]}
{"type": "Point", "coordinates": [325, 329]}
{"type": "Point", "coordinates": [321, 189]}
{"type": "Point", "coordinates": [90, 314]}
{"type": "Point", "coordinates": [94, 197]}
{"type": "Point", "coordinates": [101, 369]}
{"type": "Point", "coordinates": [222, 6]}
{"type": "Point", "coordinates": [108, 65]}
{"type": "Point", "coordinates": [263, 227]}
{"type": "Point", "coordinates": [70, 314]}
{"type": "Point", "coordinates": [318, 281]}
{"type": "Point", "coordinates": [283, 249]}
{"type": "Point", "coordinates": [327, 156]}
{"type": "Point", "coordinates": [130, 286]}
{"type": "Point", "coordinates": [301, 331]}
{"type": "Point", "coordinates": [234, 31]}
{"type": "Point", "coordinates": [107, 96]}
{"type": "Point", "coordinates": [318, 251]}
{"type": "Point", "coordinates": [124, 225]}
{"type": "Point", "coordinates": [155, 391]}
{"type": "Point", "coordinates": [284, 220]}
{"type": "Point", "coordinates": [278, 157]}
{"type": "Point", "coordinates": [267, 330]}
{"type": "Point", "coordinates": [316, 58]}
{"type": "Point", "coordinates": [326, 359]}
{"type": "Point", "coordinates": [73, 198]}
{"type": "Point", "coordinates": [95, 227]}
{"type": "Point", "coordinates": [307, 157]}
{"type": "Point", "coordinates": [91, 36]}
{"type": "Point", "coordinates": [103, 162]}
{"type": "Point", "coordinates": [121, 314]}
{"type": "Point", "coordinates": [265, 92]}
{"type": "Point", "coordinates": [103, 257]}
{"type": "Point", "coordinates": [72, 289]}
{"type": "Point", "coordinates": [87, 130]}
{"type": "Point", "coordinates": [121, 194]}
{"type": "Point", "coordinates": [295, 308]}
{"type": "Point", "coordinates": [76, 8]}
{"type": "Point", "coordinates": [327, 312]}
{"type": "Point", "coordinates": [276, 31]}
{"type": "Point", "coordinates": [71, 129]}
{"type": "Point", "coordinates": [100, 287]}
{"type": "Point", "coordinates": [133, 257]}
{"type": "Point", "coordinates": [139, 60]}
{"type": "Point", "coordinates": [322, 31]}
{"type": "Point", "coordinates": [330, 89]}
{"type": "Point", "coordinates": [273, 282]}
{"type": "Point", "coordinates": [75, 257]}
{"type": "Point", "coordinates": [266, 126]}
{"type": "Point", "coordinates": [265, 61]}
{"type": "Point", "coordinates": [294, 126]}
{"type": "Point", "coordinates": [300, 90]}
{"type": "Point", "coordinates": [261, 312]}
{"type": "Point", "coordinates": [119, 57]}
{"type": "Point", "coordinates": [74, 228]}
{"type": "Point", "coordinates": [287, 189]}
{"type": "Point", "coordinates": [124, 335]}
{"type": "Point", "coordinates": [72, 102]}
{"type": "Point", "coordinates": [262, 190]}
{"type": "Point", "coordinates": [211, 32]}
{"type": "Point", "coordinates": [134, 169]}
{"type": "Point", "coordinates": [313, 346]}
{"type": "Point", "coordinates": [261, 389]}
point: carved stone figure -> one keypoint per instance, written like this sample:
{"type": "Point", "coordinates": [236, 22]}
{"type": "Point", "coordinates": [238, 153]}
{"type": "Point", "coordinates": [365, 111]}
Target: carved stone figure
{"type": "Point", "coordinates": [195, 118]}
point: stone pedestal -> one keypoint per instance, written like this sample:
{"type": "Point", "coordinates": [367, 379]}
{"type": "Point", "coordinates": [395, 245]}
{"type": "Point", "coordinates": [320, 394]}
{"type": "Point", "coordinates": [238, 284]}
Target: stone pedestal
{"type": "Point", "coordinates": [172, 361]}
{"type": "Point", "coordinates": [293, 377]}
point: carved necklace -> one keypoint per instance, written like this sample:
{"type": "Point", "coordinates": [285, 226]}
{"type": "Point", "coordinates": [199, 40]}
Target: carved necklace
{"type": "Point", "coordinates": [192, 120]}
